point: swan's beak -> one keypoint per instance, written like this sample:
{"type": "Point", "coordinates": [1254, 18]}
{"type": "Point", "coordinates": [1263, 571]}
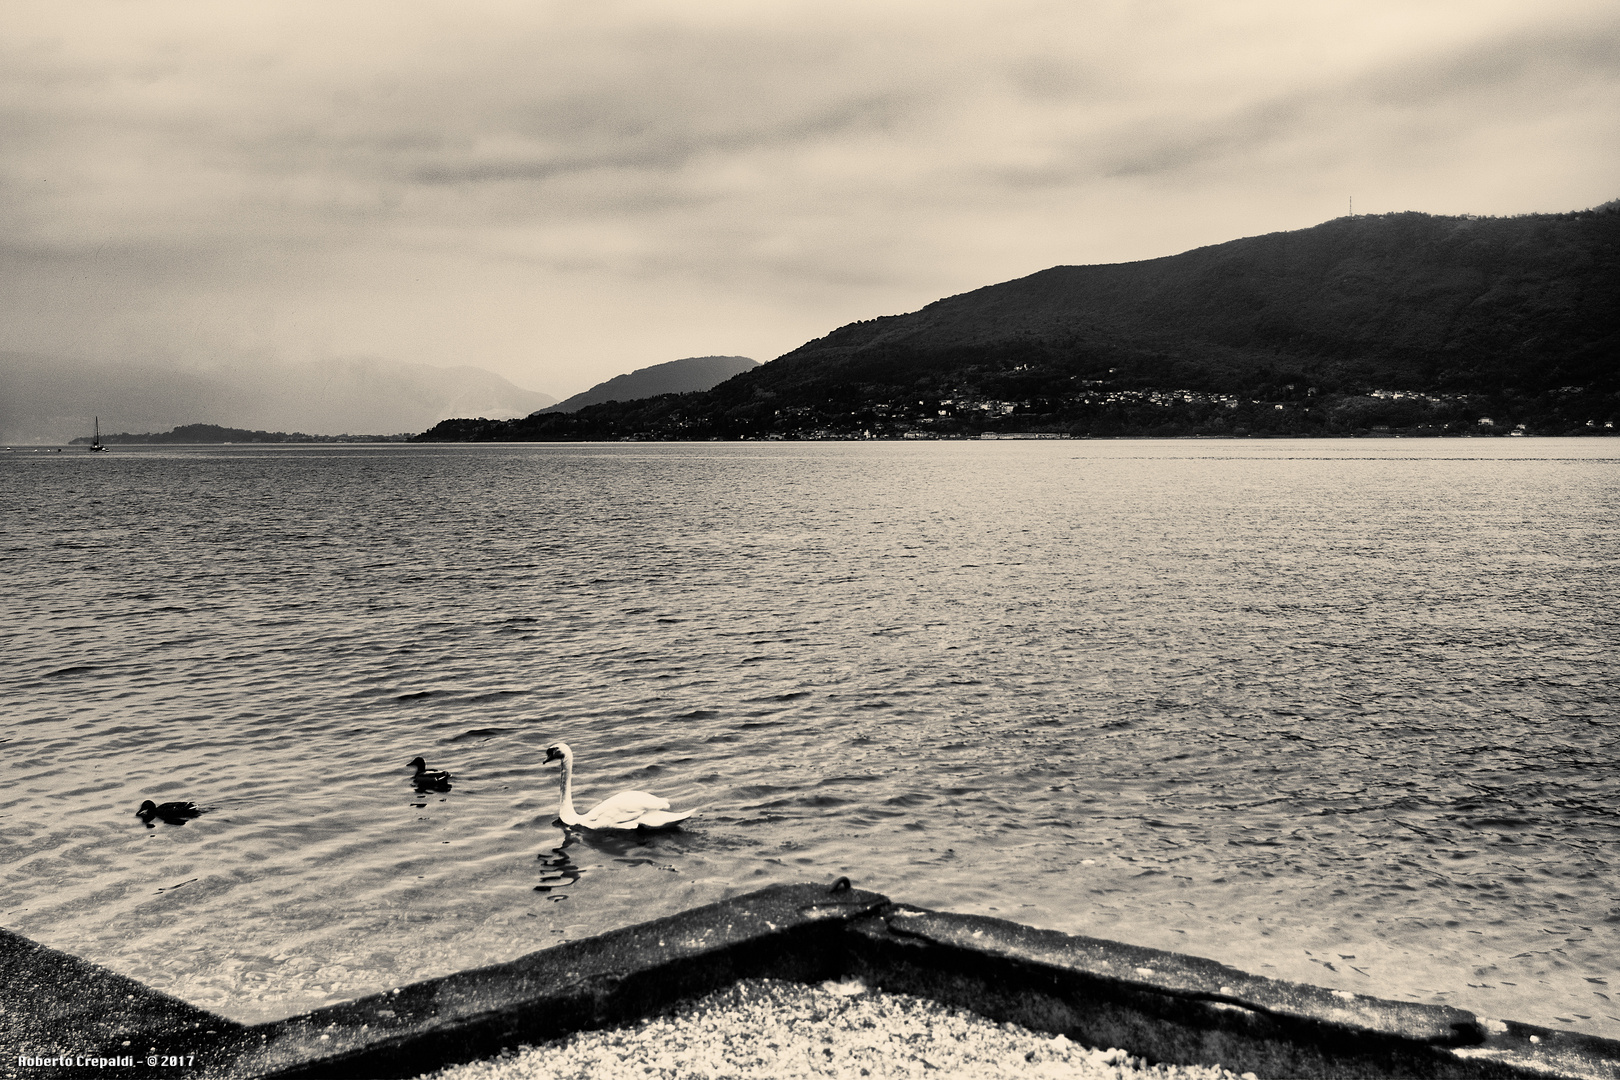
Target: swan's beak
{"type": "Point", "coordinates": [552, 755]}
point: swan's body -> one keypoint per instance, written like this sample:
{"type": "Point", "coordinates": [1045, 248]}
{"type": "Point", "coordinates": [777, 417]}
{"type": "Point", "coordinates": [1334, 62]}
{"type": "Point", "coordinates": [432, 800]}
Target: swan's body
{"type": "Point", "coordinates": [626, 810]}
{"type": "Point", "coordinates": [426, 777]}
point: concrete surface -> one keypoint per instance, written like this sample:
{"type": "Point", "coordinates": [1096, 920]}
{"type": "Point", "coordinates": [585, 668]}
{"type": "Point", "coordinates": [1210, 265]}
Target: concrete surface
{"type": "Point", "coordinates": [1159, 1005]}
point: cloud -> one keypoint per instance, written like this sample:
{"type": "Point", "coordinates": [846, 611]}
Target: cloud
{"type": "Point", "coordinates": [565, 192]}
{"type": "Point", "coordinates": [1362, 114]}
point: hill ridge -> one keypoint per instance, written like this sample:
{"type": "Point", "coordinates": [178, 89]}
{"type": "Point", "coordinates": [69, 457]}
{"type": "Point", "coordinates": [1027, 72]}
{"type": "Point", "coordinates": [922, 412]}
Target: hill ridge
{"type": "Point", "coordinates": [1404, 322]}
{"type": "Point", "coordinates": [673, 377]}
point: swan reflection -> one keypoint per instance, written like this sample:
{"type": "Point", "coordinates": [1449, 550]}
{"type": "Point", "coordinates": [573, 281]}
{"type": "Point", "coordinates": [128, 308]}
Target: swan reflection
{"type": "Point", "coordinates": [557, 870]}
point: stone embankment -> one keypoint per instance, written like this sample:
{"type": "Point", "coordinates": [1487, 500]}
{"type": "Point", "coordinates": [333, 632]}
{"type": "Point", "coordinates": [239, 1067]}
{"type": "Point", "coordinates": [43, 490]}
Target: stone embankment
{"type": "Point", "coordinates": [1157, 1006]}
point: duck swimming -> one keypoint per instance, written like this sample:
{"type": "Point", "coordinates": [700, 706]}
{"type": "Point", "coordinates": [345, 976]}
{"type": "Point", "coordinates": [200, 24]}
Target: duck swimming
{"type": "Point", "coordinates": [429, 778]}
{"type": "Point", "coordinates": [626, 810]}
{"type": "Point", "coordinates": [175, 813]}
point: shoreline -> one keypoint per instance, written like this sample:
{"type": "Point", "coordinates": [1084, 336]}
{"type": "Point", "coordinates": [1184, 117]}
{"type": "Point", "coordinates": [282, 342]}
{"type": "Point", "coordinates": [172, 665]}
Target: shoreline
{"type": "Point", "coordinates": [1151, 1004]}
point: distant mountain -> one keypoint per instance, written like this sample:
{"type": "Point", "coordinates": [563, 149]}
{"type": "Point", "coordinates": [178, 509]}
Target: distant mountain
{"type": "Point", "coordinates": [52, 399]}
{"type": "Point", "coordinates": [203, 434]}
{"type": "Point", "coordinates": [675, 377]}
{"type": "Point", "coordinates": [1399, 323]}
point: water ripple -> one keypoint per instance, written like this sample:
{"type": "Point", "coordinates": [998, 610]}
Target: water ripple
{"type": "Point", "coordinates": [1336, 713]}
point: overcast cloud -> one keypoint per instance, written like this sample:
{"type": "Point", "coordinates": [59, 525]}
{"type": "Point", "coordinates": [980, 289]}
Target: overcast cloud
{"type": "Point", "coordinates": [563, 192]}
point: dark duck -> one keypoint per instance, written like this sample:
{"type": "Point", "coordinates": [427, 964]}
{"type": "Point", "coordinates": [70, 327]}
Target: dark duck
{"type": "Point", "coordinates": [175, 813]}
{"type": "Point", "coordinates": [429, 779]}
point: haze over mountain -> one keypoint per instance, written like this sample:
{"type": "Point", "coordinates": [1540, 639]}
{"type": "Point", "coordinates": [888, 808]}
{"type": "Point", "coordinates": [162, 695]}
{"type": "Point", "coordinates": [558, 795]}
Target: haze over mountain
{"type": "Point", "coordinates": [1398, 322]}
{"type": "Point", "coordinates": [675, 377]}
{"type": "Point", "coordinates": [559, 195]}
{"type": "Point", "coordinates": [52, 400]}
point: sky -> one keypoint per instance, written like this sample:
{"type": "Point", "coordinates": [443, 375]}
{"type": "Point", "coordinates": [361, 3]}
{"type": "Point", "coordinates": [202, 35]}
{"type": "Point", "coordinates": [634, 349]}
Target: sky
{"type": "Point", "coordinates": [563, 192]}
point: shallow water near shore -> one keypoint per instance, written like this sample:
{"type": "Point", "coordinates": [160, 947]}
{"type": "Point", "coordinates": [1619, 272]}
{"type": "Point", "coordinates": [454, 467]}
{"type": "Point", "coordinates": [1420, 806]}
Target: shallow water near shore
{"type": "Point", "coordinates": [1341, 712]}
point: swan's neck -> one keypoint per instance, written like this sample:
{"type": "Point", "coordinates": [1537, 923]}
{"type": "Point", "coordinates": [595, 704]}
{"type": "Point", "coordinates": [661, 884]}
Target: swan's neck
{"type": "Point", "coordinates": [565, 805]}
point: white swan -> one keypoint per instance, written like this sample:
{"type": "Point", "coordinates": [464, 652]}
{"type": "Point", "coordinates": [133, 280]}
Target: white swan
{"type": "Point", "coordinates": [626, 810]}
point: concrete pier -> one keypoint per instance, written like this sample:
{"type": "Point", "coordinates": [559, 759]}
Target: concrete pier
{"type": "Point", "coordinates": [56, 1010]}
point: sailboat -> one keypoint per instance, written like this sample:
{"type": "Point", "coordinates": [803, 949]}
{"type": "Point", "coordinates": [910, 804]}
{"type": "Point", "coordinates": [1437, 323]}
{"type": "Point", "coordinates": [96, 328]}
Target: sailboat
{"type": "Point", "coordinates": [96, 445]}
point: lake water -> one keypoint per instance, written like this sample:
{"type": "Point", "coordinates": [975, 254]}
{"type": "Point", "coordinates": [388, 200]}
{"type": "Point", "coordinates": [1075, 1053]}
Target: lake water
{"type": "Point", "coordinates": [1342, 712]}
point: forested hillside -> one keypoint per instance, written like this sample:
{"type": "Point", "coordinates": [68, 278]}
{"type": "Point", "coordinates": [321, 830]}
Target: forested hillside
{"type": "Point", "coordinates": [1400, 323]}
